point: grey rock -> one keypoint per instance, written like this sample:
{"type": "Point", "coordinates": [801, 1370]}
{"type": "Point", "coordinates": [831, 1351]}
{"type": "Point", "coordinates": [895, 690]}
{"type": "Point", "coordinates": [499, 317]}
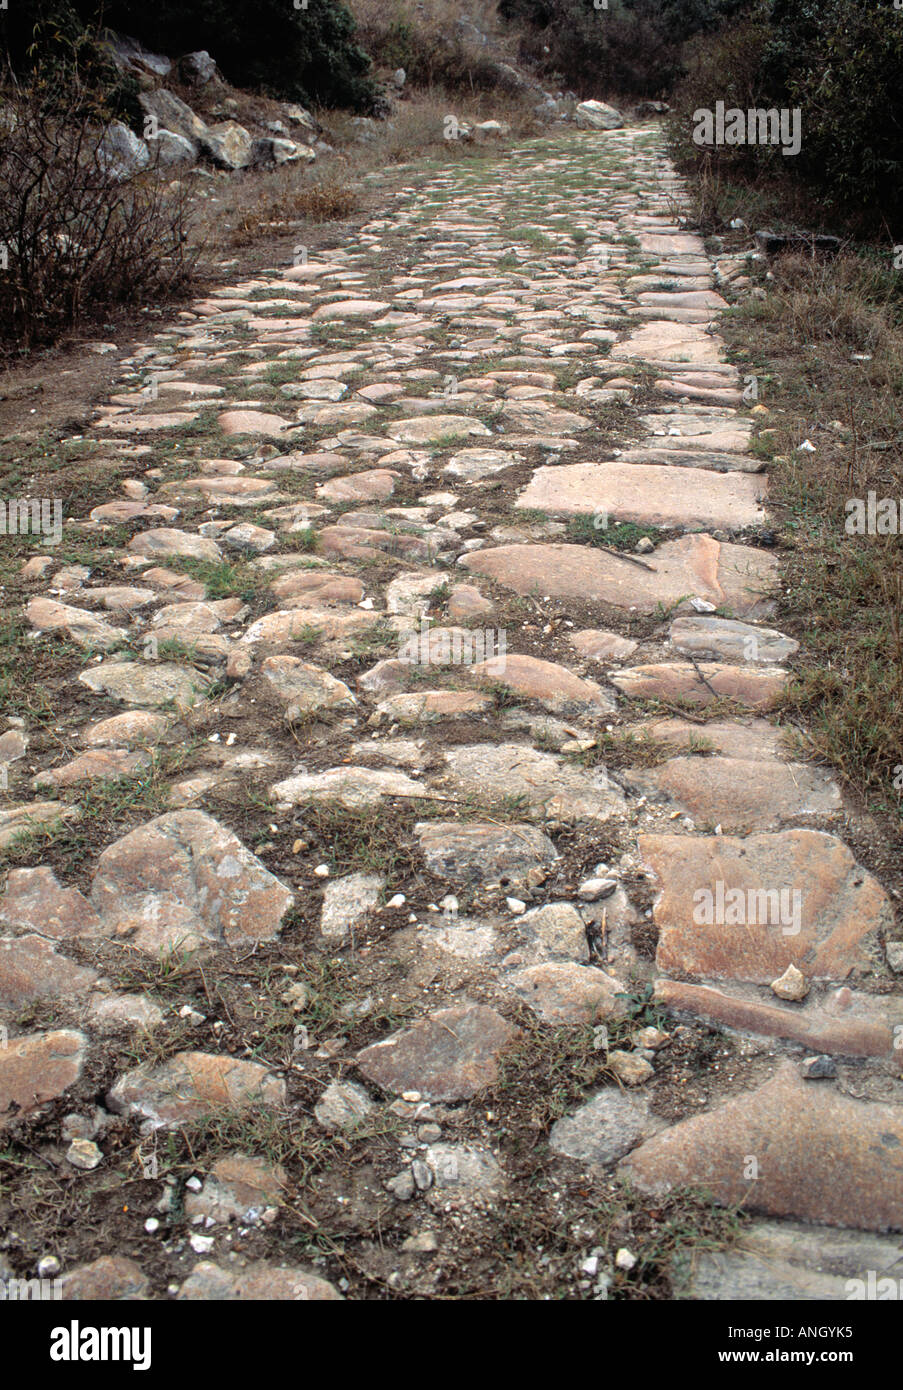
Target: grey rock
{"type": "Point", "coordinates": [342, 1106]}
{"type": "Point", "coordinates": [479, 853]}
{"type": "Point", "coordinates": [197, 68]}
{"type": "Point", "coordinates": [604, 1129]}
{"type": "Point", "coordinates": [121, 153]}
{"type": "Point", "coordinates": [346, 901]}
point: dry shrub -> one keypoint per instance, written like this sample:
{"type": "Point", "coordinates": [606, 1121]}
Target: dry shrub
{"type": "Point", "coordinates": [75, 240]}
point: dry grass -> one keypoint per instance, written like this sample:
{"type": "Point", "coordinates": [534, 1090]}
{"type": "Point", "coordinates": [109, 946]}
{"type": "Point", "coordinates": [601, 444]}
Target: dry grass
{"type": "Point", "coordinates": [829, 335]}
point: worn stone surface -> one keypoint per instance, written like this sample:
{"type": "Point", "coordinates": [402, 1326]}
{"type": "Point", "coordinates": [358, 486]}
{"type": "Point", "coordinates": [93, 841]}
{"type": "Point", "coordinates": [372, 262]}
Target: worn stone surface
{"type": "Point", "coordinates": [549, 786]}
{"type": "Point", "coordinates": [860, 1031]}
{"type": "Point", "coordinates": [112, 1277]}
{"type": "Point", "coordinates": [841, 908]}
{"type": "Point", "coordinates": [568, 993]}
{"type": "Point", "coordinates": [257, 1282]}
{"type": "Point", "coordinates": [183, 880]}
{"type": "Point", "coordinates": [192, 1085]}
{"type": "Point", "coordinates": [347, 901]}
{"type": "Point", "coordinates": [737, 576]}
{"type": "Point", "coordinates": [741, 793]}
{"type": "Point", "coordinates": [821, 1155]}
{"type": "Point", "coordinates": [37, 1067]}
{"type": "Point", "coordinates": [482, 853]}
{"type": "Point", "coordinates": [32, 970]}
{"type": "Point", "coordinates": [35, 901]}
{"type": "Point", "coordinates": [450, 1055]}
{"type": "Point", "coordinates": [604, 1129]}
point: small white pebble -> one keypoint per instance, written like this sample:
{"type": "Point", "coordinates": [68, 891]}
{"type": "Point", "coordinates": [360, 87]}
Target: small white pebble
{"type": "Point", "coordinates": [625, 1259]}
{"type": "Point", "coordinates": [397, 900]}
{"type": "Point", "coordinates": [194, 1184]}
{"type": "Point", "coordinates": [516, 906]}
{"type": "Point", "coordinates": [151, 1225]}
{"type": "Point", "coordinates": [322, 871]}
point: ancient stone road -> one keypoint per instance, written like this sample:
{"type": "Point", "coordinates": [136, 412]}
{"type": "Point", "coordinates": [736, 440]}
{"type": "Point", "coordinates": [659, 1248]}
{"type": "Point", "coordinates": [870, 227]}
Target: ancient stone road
{"type": "Point", "coordinates": [436, 435]}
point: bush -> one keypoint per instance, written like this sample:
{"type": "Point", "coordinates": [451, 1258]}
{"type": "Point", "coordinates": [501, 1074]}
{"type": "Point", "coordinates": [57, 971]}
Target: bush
{"type": "Point", "coordinates": [430, 45]}
{"type": "Point", "coordinates": [74, 240]}
{"type": "Point", "coordinates": [307, 55]}
{"type": "Point", "coordinates": [841, 65]}
{"type": "Point", "coordinates": [633, 47]}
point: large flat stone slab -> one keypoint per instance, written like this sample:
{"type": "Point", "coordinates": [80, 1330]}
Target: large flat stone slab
{"type": "Point", "coordinates": [736, 576]}
{"type": "Point", "coordinates": [37, 1067]}
{"type": "Point", "coordinates": [701, 684]}
{"type": "Point", "coordinates": [649, 493]}
{"type": "Point", "coordinates": [834, 929]}
{"type": "Point", "coordinates": [820, 1156]}
{"type": "Point", "coordinates": [741, 793]}
{"type": "Point", "coordinates": [725, 639]}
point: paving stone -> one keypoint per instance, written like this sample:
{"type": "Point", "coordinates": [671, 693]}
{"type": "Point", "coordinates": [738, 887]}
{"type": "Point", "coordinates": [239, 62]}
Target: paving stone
{"type": "Point", "coordinates": [653, 495]}
{"type": "Point", "coordinates": [862, 1030]}
{"type": "Point", "coordinates": [436, 429]}
{"type": "Point", "coordinates": [236, 1185]}
{"type": "Point", "coordinates": [716, 639]}
{"type": "Point", "coordinates": [597, 645]}
{"type": "Point", "coordinates": [37, 1067]}
{"type": "Point", "coordinates": [303, 687]}
{"type": "Point", "coordinates": [149, 684]}
{"type": "Point", "coordinates": [46, 615]}
{"type": "Point", "coordinates": [703, 683]}
{"type": "Point", "coordinates": [568, 993]}
{"type": "Point", "coordinates": [741, 793]}
{"type": "Point", "coordinates": [449, 1055]}
{"type": "Point", "coordinates": [374, 484]}
{"type": "Point", "coordinates": [313, 588]}
{"type": "Point", "coordinates": [829, 931]}
{"type": "Point", "coordinates": [112, 1278]}
{"type": "Point", "coordinates": [192, 1086]}
{"type": "Point", "coordinates": [110, 1012]}
{"type": "Point", "coordinates": [256, 1282]}
{"type": "Point", "coordinates": [749, 739]}
{"type": "Point", "coordinates": [821, 1155]}
{"type": "Point", "coordinates": [737, 576]}
{"type": "Point", "coordinates": [347, 901]}
{"type": "Point", "coordinates": [31, 970]}
{"type": "Point", "coordinates": [351, 787]}
{"type": "Point", "coordinates": [165, 543]}
{"type": "Point", "coordinates": [343, 1105]}
{"type": "Point", "coordinates": [134, 728]}
{"type": "Point", "coordinates": [430, 706]}
{"type": "Point", "coordinates": [604, 1129]}
{"type": "Point", "coordinates": [548, 786]}
{"type": "Point", "coordinates": [35, 901]}
{"type": "Point", "coordinates": [554, 686]}
{"type": "Point", "coordinates": [182, 881]}
{"type": "Point", "coordinates": [253, 422]}
{"type": "Point", "coordinates": [97, 765]}
{"type": "Point", "coordinates": [463, 1176]}
{"type": "Point", "coordinates": [478, 853]}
